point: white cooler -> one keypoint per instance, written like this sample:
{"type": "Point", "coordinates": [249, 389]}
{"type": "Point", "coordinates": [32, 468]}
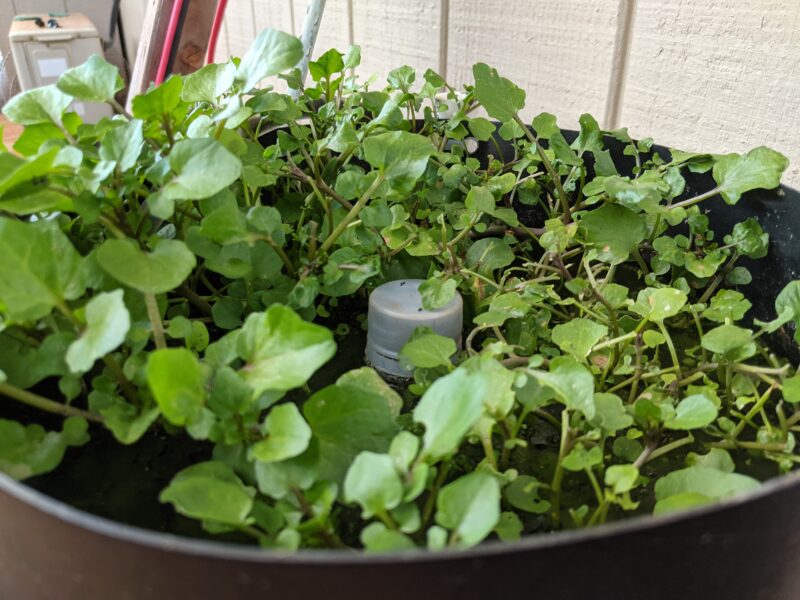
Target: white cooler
{"type": "Point", "coordinates": [41, 54]}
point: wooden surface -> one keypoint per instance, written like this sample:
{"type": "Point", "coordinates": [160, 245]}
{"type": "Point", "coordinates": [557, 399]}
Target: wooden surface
{"type": "Point", "coordinates": [192, 42]}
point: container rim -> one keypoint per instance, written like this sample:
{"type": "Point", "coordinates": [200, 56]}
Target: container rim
{"type": "Point", "coordinates": [226, 551]}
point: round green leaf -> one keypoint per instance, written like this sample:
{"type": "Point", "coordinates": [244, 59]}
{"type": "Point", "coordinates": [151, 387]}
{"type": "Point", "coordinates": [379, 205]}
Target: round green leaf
{"type": "Point", "coordinates": [157, 272]}
{"type": "Point", "coordinates": [693, 412]}
{"type": "Point", "coordinates": [210, 491]}
{"type": "Point", "coordinates": [373, 483]}
{"type": "Point", "coordinates": [107, 324]}
{"type": "Point", "coordinates": [287, 432]}
{"type": "Point", "coordinates": [469, 507]}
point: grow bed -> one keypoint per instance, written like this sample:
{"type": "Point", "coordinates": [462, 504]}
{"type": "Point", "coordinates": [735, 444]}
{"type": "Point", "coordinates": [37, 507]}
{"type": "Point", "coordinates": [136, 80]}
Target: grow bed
{"type": "Point", "coordinates": [192, 278]}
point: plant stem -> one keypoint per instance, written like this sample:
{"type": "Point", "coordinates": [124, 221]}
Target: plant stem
{"type": "Point", "coordinates": [558, 475]}
{"type": "Point", "coordinates": [562, 195]}
{"type": "Point", "coordinates": [351, 216]}
{"type": "Point", "coordinates": [754, 410]}
{"type": "Point", "coordinates": [46, 404]}
{"type": "Point", "coordinates": [671, 346]}
{"type": "Point", "coordinates": [696, 199]}
{"type": "Point", "coordinates": [155, 320]}
{"type": "Point", "coordinates": [120, 109]}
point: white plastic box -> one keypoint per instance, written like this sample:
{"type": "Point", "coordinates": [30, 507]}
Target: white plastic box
{"type": "Point", "coordinates": [41, 54]}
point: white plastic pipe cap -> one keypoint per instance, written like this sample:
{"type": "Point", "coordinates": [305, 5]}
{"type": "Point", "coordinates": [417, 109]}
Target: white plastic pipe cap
{"type": "Point", "coordinates": [395, 311]}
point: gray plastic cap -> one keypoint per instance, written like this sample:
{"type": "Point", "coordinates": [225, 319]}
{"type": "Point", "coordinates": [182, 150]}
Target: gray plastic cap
{"type": "Point", "coordinates": [395, 311]}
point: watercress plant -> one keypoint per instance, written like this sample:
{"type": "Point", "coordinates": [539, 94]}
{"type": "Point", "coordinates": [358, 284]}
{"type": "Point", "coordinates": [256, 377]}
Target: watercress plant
{"type": "Point", "coordinates": [189, 268]}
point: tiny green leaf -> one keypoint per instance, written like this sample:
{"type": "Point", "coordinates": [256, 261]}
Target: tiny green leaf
{"type": "Point", "coordinates": [287, 433]}
{"type": "Point", "coordinates": [428, 350]}
{"type": "Point", "coordinates": [469, 507]}
{"type": "Point", "coordinates": [210, 491]}
{"type": "Point", "coordinates": [176, 380]}
{"type": "Point", "coordinates": [155, 272]}
{"type": "Point", "coordinates": [657, 304]}
{"type": "Point", "coordinates": [693, 412]}
{"type": "Point", "coordinates": [578, 336]}
{"type": "Point", "coordinates": [107, 324]}
{"type": "Point", "coordinates": [373, 483]}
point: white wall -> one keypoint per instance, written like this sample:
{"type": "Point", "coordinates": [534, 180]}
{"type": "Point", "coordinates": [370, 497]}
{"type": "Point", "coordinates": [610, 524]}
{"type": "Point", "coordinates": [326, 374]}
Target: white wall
{"type": "Point", "coordinates": [713, 75]}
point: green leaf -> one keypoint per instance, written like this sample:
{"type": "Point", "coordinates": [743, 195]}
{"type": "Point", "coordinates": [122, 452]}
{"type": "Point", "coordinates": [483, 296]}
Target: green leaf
{"type": "Point", "coordinates": [39, 270]}
{"type": "Point", "coordinates": [327, 65]}
{"type": "Point", "coordinates": [401, 156]}
{"type": "Point", "coordinates": [638, 194]}
{"type": "Point", "coordinates": [572, 383]}
{"type": "Point", "coordinates": [93, 81]}
{"type": "Point", "coordinates": [123, 144]}
{"type": "Point", "coordinates": [734, 343]}
{"type": "Point", "coordinates": [610, 414]}
{"type": "Point", "coordinates": [546, 125]}
{"type": "Point", "coordinates": [127, 422]}
{"type": "Point", "coordinates": [703, 483]}
{"type": "Point", "coordinates": [107, 324]}
{"type": "Point", "coordinates": [578, 336]}
{"type": "Point", "coordinates": [509, 528]}
{"type": "Point", "coordinates": [203, 167]}
{"type": "Point", "coordinates": [30, 450]}
{"type": "Point", "coordinates": [727, 304]}
{"type": "Point", "coordinates": [271, 53]}
{"type": "Point", "coordinates": [449, 409]}
{"type": "Point", "coordinates": [278, 479]}
{"type": "Point", "coordinates": [613, 232]}
{"type": "Point", "coordinates": [791, 388]}
{"type": "Point", "coordinates": [281, 350]}
{"type": "Point", "coordinates": [437, 292]}
{"type": "Point", "coordinates": [428, 350]}
{"type": "Point", "coordinates": [582, 458]}
{"type": "Point", "coordinates": [481, 128]}
{"type": "Point", "coordinates": [716, 458]}
{"type": "Point", "coordinates": [156, 272]}
{"type": "Point", "coordinates": [500, 97]}
{"type": "Point", "coordinates": [208, 83]}
{"type": "Point", "coordinates": [480, 200]}
{"type": "Point", "coordinates": [373, 483]}
{"type": "Point", "coordinates": [523, 493]}
{"type": "Point", "coordinates": [489, 254]}
{"type": "Point", "coordinates": [750, 239]}
{"type": "Point", "coordinates": [469, 507]}
{"type": "Point", "coordinates": [177, 382]}
{"type": "Point", "coordinates": [210, 491]}
{"type": "Point", "coordinates": [368, 379]}
{"type": "Point", "coordinates": [590, 138]}
{"type": "Point", "coordinates": [346, 421]}
{"type": "Point", "coordinates": [761, 168]}
{"type": "Point", "coordinates": [376, 537]}
{"type": "Point", "coordinates": [287, 433]}
{"type": "Point", "coordinates": [621, 478]}
{"type": "Point", "coordinates": [693, 412]}
{"type": "Point", "coordinates": [657, 304]}
{"type": "Point", "coordinates": [158, 101]}
{"type": "Point", "coordinates": [39, 105]}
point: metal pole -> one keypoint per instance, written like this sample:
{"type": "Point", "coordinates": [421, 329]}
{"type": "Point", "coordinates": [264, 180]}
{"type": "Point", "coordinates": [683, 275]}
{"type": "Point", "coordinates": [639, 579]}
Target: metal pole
{"type": "Point", "coordinates": [309, 37]}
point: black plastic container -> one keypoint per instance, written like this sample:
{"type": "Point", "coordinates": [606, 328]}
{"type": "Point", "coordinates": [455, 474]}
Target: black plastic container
{"type": "Point", "coordinates": [747, 548]}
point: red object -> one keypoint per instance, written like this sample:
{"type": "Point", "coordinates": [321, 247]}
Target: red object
{"type": "Point", "coordinates": [219, 14]}
{"type": "Point", "coordinates": [169, 40]}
